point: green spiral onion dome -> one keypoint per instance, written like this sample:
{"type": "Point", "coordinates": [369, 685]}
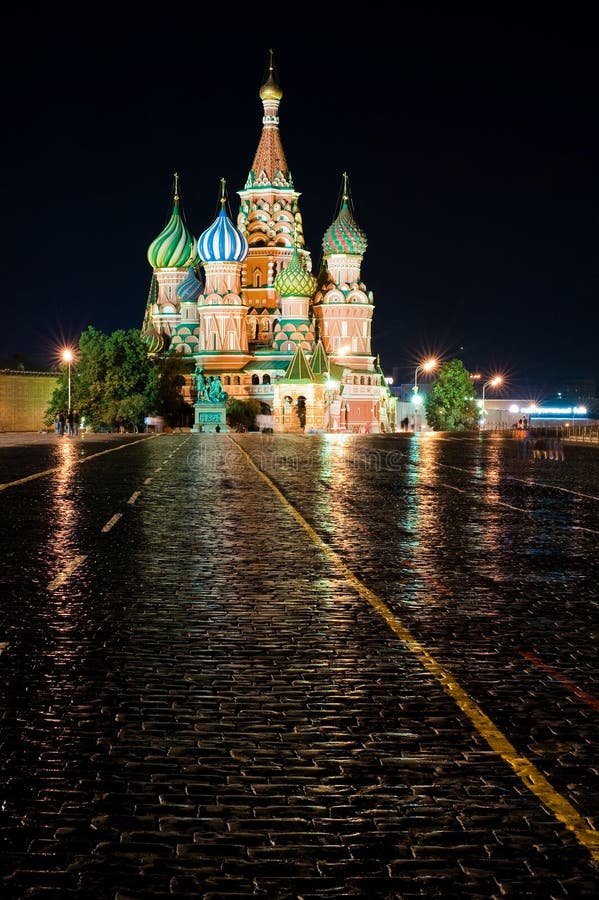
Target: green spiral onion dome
{"type": "Point", "coordinates": [344, 236]}
{"type": "Point", "coordinates": [175, 245]}
{"type": "Point", "coordinates": [294, 280]}
{"type": "Point", "coordinates": [154, 340]}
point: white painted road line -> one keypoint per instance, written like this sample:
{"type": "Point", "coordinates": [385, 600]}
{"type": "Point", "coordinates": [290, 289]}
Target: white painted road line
{"type": "Point", "coordinates": [66, 572]}
{"type": "Point", "coordinates": [112, 522]}
{"type": "Point", "coordinates": [554, 487]}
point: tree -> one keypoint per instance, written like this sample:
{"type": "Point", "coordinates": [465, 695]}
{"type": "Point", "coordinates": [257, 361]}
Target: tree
{"type": "Point", "coordinates": [242, 412]}
{"type": "Point", "coordinates": [112, 380]}
{"type": "Point", "coordinates": [450, 404]}
{"type": "Point", "coordinates": [171, 403]}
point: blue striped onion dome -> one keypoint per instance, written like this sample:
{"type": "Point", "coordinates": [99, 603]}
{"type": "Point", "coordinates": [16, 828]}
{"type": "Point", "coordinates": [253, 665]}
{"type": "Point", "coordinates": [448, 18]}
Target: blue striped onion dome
{"type": "Point", "coordinates": [190, 288]}
{"type": "Point", "coordinates": [175, 245]}
{"type": "Point", "coordinates": [344, 236]}
{"type": "Point", "coordinates": [294, 280]}
{"type": "Point", "coordinates": [222, 242]}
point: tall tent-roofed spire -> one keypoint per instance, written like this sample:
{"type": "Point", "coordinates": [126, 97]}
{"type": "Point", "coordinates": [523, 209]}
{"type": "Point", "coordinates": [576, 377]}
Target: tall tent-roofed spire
{"type": "Point", "coordinates": [299, 368]}
{"type": "Point", "coordinates": [174, 247]}
{"type": "Point", "coordinates": [344, 235]}
{"type": "Point", "coordinates": [222, 241]}
{"type": "Point", "coordinates": [319, 362]}
{"type": "Point", "coordinates": [270, 166]}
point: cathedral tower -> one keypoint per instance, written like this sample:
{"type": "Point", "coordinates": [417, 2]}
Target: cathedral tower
{"type": "Point", "coordinates": [170, 254]}
{"type": "Point", "coordinates": [223, 341]}
{"type": "Point", "coordinates": [269, 218]}
{"type": "Point", "coordinates": [342, 306]}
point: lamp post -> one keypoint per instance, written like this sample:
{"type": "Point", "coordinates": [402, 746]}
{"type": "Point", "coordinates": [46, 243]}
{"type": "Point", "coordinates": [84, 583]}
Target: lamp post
{"type": "Point", "coordinates": [426, 366]}
{"type": "Point", "coordinates": [330, 386]}
{"type": "Point", "coordinates": [492, 382]}
{"type": "Point", "coordinates": [67, 356]}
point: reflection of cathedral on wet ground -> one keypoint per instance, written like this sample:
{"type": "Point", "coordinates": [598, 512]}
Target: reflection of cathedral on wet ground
{"type": "Point", "coordinates": [241, 302]}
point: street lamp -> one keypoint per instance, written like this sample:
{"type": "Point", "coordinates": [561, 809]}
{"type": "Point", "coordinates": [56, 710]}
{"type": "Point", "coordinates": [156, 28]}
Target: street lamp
{"type": "Point", "coordinates": [331, 387]}
{"type": "Point", "coordinates": [492, 382]}
{"type": "Point", "coordinates": [67, 356]}
{"type": "Point", "coordinates": [426, 366]}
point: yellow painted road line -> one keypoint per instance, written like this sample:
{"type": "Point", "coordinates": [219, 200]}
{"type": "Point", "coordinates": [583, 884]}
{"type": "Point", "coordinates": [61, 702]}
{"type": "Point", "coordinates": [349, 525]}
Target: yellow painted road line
{"type": "Point", "coordinates": [133, 497]}
{"type": "Point", "coordinates": [148, 480]}
{"type": "Point", "coordinates": [3, 646]}
{"type": "Point", "coordinates": [66, 572]}
{"type": "Point", "coordinates": [530, 776]}
{"type": "Point", "coordinates": [112, 522]}
{"type": "Point", "coordinates": [78, 462]}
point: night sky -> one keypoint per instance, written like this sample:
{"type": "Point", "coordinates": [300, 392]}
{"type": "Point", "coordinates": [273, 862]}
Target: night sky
{"type": "Point", "coordinates": [471, 145]}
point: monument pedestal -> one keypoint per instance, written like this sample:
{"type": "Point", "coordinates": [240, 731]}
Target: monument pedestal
{"type": "Point", "coordinates": [208, 416]}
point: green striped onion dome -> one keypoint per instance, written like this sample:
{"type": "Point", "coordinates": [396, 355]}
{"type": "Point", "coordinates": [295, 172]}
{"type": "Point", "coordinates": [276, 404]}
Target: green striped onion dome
{"type": "Point", "coordinates": [154, 341]}
{"type": "Point", "coordinates": [175, 245]}
{"type": "Point", "coordinates": [344, 235]}
{"type": "Point", "coordinates": [294, 280]}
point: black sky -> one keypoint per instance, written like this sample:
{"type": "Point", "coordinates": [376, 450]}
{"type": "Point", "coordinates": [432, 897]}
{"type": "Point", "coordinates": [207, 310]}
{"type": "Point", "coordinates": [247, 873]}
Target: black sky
{"type": "Point", "coordinates": [471, 144]}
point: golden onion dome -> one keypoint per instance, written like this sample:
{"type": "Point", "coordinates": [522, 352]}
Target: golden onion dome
{"type": "Point", "coordinates": [271, 90]}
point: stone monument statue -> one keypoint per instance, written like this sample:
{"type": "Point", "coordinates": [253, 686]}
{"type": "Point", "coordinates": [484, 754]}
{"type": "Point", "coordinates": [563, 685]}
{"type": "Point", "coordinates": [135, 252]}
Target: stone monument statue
{"type": "Point", "coordinates": [216, 394]}
{"type": "Point", "coordinates": [200, 383]}
{"type": "Point", "coordinates": [211, 403]}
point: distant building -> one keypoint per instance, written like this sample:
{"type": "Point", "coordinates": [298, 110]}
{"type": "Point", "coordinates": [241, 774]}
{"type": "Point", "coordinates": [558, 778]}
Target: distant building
{"type": "Point", "coordinates": [24, 398]}
{"type": "Point", "coordinates": [240, 303]}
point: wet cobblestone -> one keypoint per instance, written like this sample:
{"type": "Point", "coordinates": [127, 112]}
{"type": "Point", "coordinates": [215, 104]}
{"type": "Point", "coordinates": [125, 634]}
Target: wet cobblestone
{"type": "Point", "coordinates": [208, 708]}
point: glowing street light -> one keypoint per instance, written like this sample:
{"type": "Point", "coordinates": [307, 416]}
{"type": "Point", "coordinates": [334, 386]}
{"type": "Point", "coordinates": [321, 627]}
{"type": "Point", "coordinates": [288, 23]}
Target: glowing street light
{"type": "Point", "coordinates": [331, 386]}
{"type": "Point", "coordinates": [492, 382]}
{"type": "Point", "coordinates": [426, 366]}
{"type": "Point", "coordinates": [67, 356]}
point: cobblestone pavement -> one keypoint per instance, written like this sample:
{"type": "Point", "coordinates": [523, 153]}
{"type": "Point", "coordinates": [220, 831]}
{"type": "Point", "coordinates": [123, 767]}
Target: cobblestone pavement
{"type": "Point", "coordinates": [298, 667]}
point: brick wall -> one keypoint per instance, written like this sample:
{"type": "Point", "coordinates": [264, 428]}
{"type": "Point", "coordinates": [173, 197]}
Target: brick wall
{"type": "Point", "coordinates": [24, 397]}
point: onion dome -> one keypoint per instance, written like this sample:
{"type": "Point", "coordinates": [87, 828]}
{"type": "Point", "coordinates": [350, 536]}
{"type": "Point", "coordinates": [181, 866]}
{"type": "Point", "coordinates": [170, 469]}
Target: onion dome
{"type": "Point", "coordinates": [344, 235]}
{"type": "Point", "coordinates": [190, 288]}
{"type": "Point", "coordinates": [175, 245]}
{"type": "Point", "coordinates": [295, 280]}
{"type": "Point", "coordinates": [270, 90]}
{"type": "Point", "coordinates": [154, 340]}
{"type": "Point", "coordinates": [222, 242]}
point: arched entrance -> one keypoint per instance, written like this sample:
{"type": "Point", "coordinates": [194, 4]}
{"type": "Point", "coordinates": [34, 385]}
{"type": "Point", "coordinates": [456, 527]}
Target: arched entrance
{"type": "Point", "coordinates": [300, 408]}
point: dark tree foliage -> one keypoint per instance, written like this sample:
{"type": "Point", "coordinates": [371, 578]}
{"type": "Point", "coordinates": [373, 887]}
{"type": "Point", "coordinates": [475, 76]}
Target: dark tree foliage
{"type": "Point", "coordinates": [112, 381]}
{"type": "Point", "coordinates": [450, 403]}
{"type": "Point", "coordinates": [243, 412]}
{"type": "Point", "coordinates": [171, 381]}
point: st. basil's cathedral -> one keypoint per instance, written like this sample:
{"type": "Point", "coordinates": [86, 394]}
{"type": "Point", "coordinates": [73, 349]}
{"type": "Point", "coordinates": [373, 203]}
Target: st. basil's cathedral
{"type": "Point", "coordinates": [242, 305]}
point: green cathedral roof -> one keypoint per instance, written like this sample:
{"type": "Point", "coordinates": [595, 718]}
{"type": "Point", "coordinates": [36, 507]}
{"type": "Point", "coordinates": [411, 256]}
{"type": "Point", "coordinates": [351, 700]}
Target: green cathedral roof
{"type": "Point", "coordinates": [299, 368]}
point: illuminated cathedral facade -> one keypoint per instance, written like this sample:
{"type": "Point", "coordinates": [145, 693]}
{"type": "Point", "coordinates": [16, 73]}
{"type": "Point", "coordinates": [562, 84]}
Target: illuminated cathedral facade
{"type": "Point", "coordinates": [241, 302]}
